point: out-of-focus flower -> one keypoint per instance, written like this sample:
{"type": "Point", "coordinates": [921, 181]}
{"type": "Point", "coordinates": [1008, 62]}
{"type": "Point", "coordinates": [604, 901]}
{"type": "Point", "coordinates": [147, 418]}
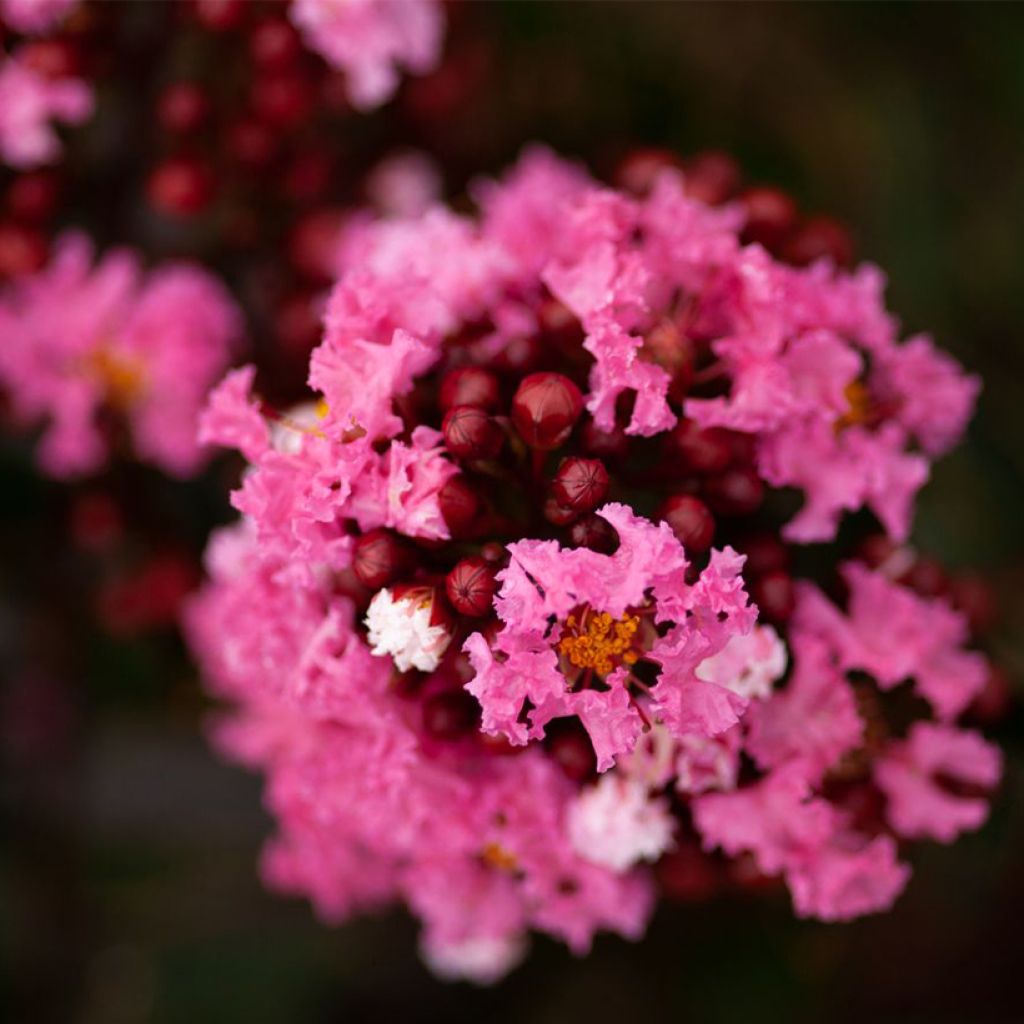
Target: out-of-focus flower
{"type": "Point", "coordinates": [78, 341]}
{"type": "Point", "coordinates": [373, 41]}
{"type": "Point", "coordinates": [29, 101]}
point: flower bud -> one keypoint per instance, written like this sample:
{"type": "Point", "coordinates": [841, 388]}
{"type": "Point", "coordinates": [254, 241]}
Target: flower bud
{"type": "Point", "coordinates": [378, 559]}
{"type": "Point", "coordinates": [469, 433]}
{"type": "Point", "coordinates": [470, 587]}
{"type": "Point", "coordinates": [690, 520]}
{"type": "Point", "coordinates": [580, 484]}
{"type": "Point", "coordinates": [704, 451]}
{"type": "Point", "coordinates": [774, 595]}
{"type": "Point", "coordinates": [545, 408]}
{"type": "Point", "coordinates": [469, 385]}
{"type": "Point", "coordinates": [738, 492]}
{"type": "Point", "coordinates": [711, 176]}
{"type": "Point", "coordinates": [675, 352]}
{"type": "Point", "coordinates": [558, 514]}
{"type": "Point", "coordinates": [819, 238]}
{"type": "Point", "coordinates": [771, 216]}
{"type": "Point", "coordinates": [459, 505]}
{"type": "Point", "coordinates": [411, 625]}
{"type": "Point", "coordinates": [595, 533]}
{"type": "Point", "coordinates": [449, 716]}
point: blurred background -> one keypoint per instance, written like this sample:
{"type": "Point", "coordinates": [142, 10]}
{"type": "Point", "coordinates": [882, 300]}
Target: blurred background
{"type": "Point", "coordinates": [129, 885]}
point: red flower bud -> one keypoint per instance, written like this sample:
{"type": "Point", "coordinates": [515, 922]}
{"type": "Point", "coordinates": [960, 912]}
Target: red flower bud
{"type": "Point", "coordinates": [273, 43]}
{"type": "Point", "coordinates": [771, 216]}
{"type": "Point", "coordinates": [738, 492]}
{"type": "Point", "coordinates": [469, 433]}
{"type": "Point", "coordinates": [182, 107]}
{"type": "Point", "coordinates": [378, 559]}
{"type": "Point", "coordinates": [570, 747]}
{"type": "Point", "coordinates": [459, 505]}
{"type": "Point", "coordinates": [595, 533]}
{"type": "Point", "coordinates": [690, 520]}
{"type": "Point", "coordinates": [470, 385]}
{"type": "Point", "coordinates": [704, 451]}
{"type": "Point", "coordinates": [558, 514]}
{"type": "Point", "coordinates": [675, 352]}
{"type": "Point", "coordinates": [711, 176]}
{"type": "Point", "coordinates": [545, 408]}
{"type": "Point", "coordinates": [601, 443]}
{"type": "Point", "coordinates": [765, 553]}
{"type": "Point", "coordinates": [470, 587]}
{"type": "Point", "coordinates": [774, 596]}
{"type": "Point", "coordinates": [818, 238]}
{"type": "Point", "coordinates": [180, 187]}
{"type": "Point", "coordinates": [451, 715]}
{"type": "Point", "coordinates": [33, 196]}
{"type": "Point", "coordinates": [580, 484]}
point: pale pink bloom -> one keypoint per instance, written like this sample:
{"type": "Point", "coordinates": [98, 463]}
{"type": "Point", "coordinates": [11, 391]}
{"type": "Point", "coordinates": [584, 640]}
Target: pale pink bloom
{"type": "Point", "coordinates": [29, 101]}
{"type": "Point", "coordinates": [914, 774]}
{"type": "Point", "coordinates": [616, 823]}
{"type": "Point", "coordinates": [373, 41]}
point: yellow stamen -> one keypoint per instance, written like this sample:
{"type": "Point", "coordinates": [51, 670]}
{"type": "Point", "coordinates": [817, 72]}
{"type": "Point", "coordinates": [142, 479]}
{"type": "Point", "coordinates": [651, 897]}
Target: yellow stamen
{"type": "Point", "coordinates": [605, 640]}
{"type": "Point", "coordinates": [496, 856]}
{"type": "Point", "coordinates": [860, 407]}
{"type": "Point", "coordinates": [122, 376]}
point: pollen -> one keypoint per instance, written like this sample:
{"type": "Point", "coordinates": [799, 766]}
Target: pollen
{"type": "Point", "coordinates": [496, 856]}
{"type": "Point", "coordinates": [597, 641]}
{"type": "Point", "coordinates": [121, 376]}
{"type": "Point", "coordinates": [860, 406]}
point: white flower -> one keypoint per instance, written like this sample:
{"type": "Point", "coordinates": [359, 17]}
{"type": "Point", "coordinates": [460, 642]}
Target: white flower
{"type": "Point", "coordinates": [748, 665]}
{"type": "Point", "coordinates": [484, 959]}
{"type": "Point", "coordinates": [616, 824]}
{"type": "Point", "coordinates": [402, 629]}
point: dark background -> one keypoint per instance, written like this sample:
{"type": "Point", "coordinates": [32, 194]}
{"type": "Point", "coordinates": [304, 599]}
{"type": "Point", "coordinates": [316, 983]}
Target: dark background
{"type": "Point", "coordinates": [129, 889]}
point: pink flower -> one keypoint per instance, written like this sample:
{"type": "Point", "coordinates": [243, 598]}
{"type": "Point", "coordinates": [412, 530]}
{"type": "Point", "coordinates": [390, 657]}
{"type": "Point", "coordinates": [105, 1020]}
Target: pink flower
{"type": "Point", "coordinates": [894, 635]}
{"type": "Point", "coordinates": [577, 614]}
{"type": "Point", "coordinates": [371, 40]}
{"type": "Point", "coordinates": [813, 721]}
{"type": "Point", "coordinates": [28, 102]}
{"type": "Point", "coordinates": [74, 339]}
{"type": "Point", "coordinates": [919, 777]}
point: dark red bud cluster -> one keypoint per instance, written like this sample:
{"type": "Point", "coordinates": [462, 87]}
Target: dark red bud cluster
{"type": "Point", "coordinates": [379, 558]}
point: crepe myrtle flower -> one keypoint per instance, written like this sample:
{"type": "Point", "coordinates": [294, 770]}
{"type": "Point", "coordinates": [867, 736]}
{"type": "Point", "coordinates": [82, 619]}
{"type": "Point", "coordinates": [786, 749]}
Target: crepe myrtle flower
{"type": "Point", "coordinates": [91, 350]}
{"type": "Point", "coordinates": [510, 619]}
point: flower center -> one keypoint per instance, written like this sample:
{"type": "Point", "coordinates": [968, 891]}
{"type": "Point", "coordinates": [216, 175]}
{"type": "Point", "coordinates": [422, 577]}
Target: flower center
{"type": "Point", "coordinates": [122, 377]}
{"type": "Point", "coordinates": [861, 408]}
{"type": "Point", "coordinates": [594, 640]}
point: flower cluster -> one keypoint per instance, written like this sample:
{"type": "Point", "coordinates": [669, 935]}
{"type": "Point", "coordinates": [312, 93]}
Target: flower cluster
{"type": "Point", "coordinates": [88, 350]}
{"type": "Point", "coordinates": [485, 622]}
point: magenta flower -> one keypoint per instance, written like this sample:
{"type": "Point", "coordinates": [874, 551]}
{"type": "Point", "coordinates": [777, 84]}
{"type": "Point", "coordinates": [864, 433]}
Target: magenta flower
{"type": "Point", "coordinates": [77, 340]}
{"type": "Point", "coordinates": [479, 623]}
